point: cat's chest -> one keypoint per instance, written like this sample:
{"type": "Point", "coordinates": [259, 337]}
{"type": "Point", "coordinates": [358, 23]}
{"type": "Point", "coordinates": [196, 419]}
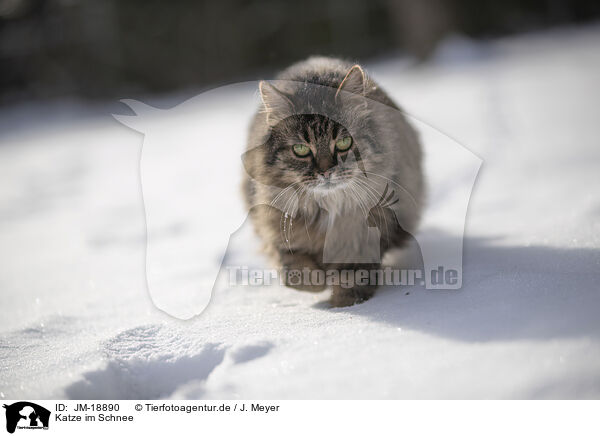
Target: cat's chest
{"type": "Point", "coordinates": [338, 233]}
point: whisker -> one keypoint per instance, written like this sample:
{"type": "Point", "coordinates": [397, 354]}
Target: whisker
{"type": "Point", "coordinates": [373, 193]}
{"type": "Point", "coordinates": [395, 184]}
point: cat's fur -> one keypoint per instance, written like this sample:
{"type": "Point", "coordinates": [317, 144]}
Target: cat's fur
{"type": "Point", "coordinates": [307, 222]}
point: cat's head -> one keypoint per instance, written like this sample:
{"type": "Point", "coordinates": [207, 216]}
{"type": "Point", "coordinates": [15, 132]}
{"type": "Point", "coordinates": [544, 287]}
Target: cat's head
{"type": "Point", "coordinates": [318, 138]}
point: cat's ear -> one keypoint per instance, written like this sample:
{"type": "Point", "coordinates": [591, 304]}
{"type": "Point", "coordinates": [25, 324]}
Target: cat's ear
{"type": "Point", "coordinates": [354, 82]}
{"type": "Point", "coordinates": [277, 105]}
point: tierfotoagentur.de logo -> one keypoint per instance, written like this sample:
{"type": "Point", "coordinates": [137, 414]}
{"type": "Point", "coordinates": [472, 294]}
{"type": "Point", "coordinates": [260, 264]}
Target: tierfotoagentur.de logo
{"type": "Point", "coordinates": [26, 415]}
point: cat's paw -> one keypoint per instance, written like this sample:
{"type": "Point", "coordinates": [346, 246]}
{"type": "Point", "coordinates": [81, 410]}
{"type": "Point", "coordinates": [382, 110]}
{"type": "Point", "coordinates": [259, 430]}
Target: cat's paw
{"type": "Point", "coordinates": [297, 279]}
{"type": "Point", "coordinates": [297, 274]}
{"type": "Point", "coordinates": [343, 297]}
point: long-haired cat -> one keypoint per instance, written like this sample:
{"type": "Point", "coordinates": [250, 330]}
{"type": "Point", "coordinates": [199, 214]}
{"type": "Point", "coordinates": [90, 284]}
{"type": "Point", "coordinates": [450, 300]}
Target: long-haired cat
{"type": "Point", "coordinates": [338, 168]}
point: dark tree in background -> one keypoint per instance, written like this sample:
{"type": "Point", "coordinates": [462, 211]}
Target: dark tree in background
{"type": "Point", "coordinates": [108, 48]}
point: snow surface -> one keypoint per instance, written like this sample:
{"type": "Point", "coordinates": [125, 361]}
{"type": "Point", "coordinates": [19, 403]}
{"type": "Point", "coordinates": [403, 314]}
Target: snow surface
{"type": "Point", "coordinates": [77, 321]}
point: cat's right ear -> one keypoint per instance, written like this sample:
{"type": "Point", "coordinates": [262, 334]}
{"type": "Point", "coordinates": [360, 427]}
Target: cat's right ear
{"type": "Point", "coordinates": [354, 82]}
{"type": "Point", "coordinates": [277, 105]}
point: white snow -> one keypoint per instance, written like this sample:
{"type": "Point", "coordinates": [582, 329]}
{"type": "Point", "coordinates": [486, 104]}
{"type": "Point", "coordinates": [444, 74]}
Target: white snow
{"type": "Point", "coordinates": [77, 321]}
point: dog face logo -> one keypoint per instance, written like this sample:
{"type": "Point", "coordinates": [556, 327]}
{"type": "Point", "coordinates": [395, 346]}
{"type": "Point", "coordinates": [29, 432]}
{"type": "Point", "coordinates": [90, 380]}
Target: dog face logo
{"type": "Point", "coordinates": [26, 415]}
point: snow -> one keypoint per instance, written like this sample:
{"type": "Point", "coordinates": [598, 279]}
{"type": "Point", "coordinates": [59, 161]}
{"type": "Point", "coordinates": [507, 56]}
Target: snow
{"type": "Point", "coordinates": [77, 320]}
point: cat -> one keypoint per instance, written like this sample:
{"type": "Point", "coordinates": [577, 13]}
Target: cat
{"type": "Point", "coordinates": [338, 170]}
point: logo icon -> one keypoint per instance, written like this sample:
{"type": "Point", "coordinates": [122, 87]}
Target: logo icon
{"type": "Point", "coordinates": [26, 415]}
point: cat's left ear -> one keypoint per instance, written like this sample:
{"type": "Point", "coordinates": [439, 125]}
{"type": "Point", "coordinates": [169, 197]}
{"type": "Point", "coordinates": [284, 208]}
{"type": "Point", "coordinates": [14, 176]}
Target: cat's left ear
{"type": "Point", "coordinates": [354, 82]}
{"type": "Point", "coordinates": [277, 105]}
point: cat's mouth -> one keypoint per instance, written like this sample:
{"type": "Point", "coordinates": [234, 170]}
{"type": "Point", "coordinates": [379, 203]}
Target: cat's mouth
{"type": "Point", "coordinates": [327, 186]}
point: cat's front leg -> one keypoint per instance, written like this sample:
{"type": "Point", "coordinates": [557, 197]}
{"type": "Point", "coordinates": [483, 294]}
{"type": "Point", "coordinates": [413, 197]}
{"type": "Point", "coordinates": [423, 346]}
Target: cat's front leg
{"type": "Point", "coordinates": [296, 271]}
{"type": "Point", "coordinates": [357, 284]}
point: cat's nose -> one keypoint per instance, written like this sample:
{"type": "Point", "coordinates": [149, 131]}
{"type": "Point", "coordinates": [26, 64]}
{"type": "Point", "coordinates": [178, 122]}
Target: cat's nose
{"type": "Point", "coordinates": [326, 174]}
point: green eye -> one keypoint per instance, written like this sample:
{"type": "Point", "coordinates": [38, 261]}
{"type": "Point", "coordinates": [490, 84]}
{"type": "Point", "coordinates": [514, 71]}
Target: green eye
{"type": "Point", "coordinates": [344, 143]}
{"type": "Point", "coordinates": [301, 150]}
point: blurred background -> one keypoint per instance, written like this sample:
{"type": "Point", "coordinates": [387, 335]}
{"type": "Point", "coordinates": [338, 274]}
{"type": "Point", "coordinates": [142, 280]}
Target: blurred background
{"type": "Point", "coordinates": [515, 82]}
{"type": "Point", "coordinates": [111, 49]}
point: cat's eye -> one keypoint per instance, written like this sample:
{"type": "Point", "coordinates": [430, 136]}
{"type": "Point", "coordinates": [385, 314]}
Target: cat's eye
{"type": "Point", "coordinates": [301, 150]}
{"type": "Point", "coordinates": [344, 144]}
